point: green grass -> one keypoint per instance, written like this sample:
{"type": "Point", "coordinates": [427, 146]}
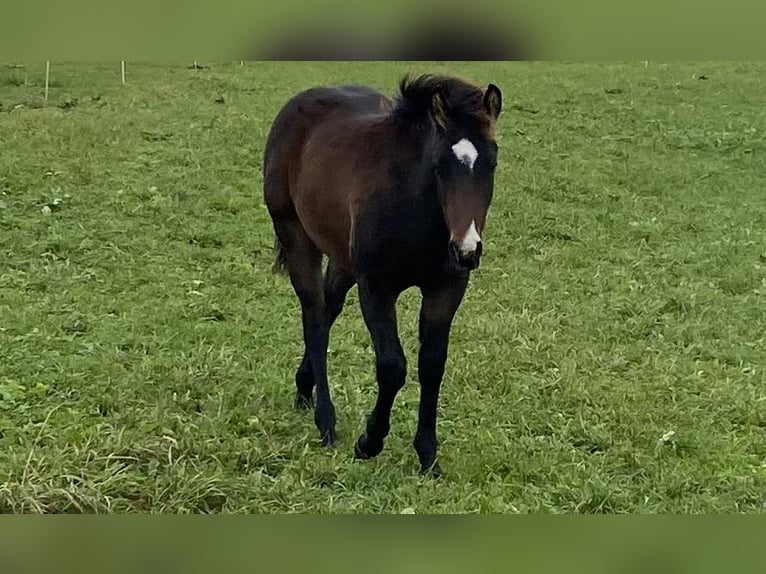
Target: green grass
{"type": "Point", "coordinates": [609, 356]}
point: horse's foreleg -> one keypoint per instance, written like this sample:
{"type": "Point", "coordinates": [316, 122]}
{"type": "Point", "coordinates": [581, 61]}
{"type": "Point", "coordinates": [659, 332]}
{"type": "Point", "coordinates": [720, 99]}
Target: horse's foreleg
{"type": "Point", "coordinates": [379, 311]}
{"type": "Point", "coordinates": [437, 311]}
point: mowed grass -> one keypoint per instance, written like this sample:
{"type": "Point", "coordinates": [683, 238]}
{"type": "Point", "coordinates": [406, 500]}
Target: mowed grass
{"type": "Point", "coordinates": [609, 355]}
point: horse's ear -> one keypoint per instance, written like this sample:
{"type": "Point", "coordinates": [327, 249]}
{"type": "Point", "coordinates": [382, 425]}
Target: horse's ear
{"type": "Point", "coordinates": [438, 108]}
{"type": "Point", "coordinates": [493, 101]}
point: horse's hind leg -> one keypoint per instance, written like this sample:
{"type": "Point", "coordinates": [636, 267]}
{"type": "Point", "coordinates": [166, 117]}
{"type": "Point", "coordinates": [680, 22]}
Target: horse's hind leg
{"type": "Point", "coordinates": [337, 283]}
{"type": "Point", "coordinates": [304, 265]}
{"type": "Point", "coordinates": [304, 383]}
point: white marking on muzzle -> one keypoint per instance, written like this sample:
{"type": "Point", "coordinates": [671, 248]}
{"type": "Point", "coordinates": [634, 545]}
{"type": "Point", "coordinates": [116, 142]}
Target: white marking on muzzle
{"type": "Point", "coordinates": [466, 152]}
{"type": "Point", "coordinates": [471, 240]}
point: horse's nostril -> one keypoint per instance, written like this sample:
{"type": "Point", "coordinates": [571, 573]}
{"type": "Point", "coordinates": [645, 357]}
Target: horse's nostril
{"type": "Point", "coordinates": [465, 259]}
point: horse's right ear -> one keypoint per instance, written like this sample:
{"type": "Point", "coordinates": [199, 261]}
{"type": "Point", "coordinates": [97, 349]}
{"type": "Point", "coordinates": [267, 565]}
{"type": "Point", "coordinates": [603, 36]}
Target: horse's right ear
{"type": "Point", "coordinates": [438, 108]}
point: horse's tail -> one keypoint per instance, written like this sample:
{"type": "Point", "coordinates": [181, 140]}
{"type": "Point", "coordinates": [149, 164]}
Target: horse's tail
{"type": "Point", "coordinates": [280, 258]}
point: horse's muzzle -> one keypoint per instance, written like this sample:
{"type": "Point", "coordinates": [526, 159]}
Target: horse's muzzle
{"type": "Point", "coordinates": [465, 259]}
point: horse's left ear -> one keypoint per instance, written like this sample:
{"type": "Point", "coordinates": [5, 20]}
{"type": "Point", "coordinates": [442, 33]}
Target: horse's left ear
{"type": "Point", "coordinates": [493, 101]}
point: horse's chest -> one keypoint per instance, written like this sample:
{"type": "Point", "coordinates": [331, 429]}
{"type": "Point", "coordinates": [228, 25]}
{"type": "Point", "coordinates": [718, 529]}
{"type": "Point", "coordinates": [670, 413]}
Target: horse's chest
{"type": "Point", "coordinates": [399, 241]}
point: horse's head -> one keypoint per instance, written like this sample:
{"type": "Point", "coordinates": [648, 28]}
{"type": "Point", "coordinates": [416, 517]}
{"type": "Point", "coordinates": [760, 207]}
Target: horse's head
{"type": "Point", "coordinates": [464, 156]}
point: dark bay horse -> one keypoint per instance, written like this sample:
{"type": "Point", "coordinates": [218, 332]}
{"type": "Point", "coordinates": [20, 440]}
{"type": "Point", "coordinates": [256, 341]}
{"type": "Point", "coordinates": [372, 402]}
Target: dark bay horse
{"type": "Point", "coordinates": [395, 193]}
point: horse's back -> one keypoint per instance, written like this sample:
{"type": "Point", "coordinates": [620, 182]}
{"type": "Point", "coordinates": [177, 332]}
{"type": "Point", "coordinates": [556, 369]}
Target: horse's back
{"type": "Point", "coordinates": [294, 124]}
{"type": "Point", "coordinates": [305, 179]}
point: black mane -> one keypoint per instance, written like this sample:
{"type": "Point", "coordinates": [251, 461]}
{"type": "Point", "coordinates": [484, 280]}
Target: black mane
{"type": "Point", "coordinates": [464, 101]}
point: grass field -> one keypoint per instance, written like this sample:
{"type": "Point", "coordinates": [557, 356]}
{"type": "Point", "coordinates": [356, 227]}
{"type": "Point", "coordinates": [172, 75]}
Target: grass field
{"type": "Point", "coordinates": [610, 355]}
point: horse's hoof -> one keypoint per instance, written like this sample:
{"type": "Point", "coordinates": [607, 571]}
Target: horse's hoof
{"type": "Point", "coordinates": [303, 403]}
{"type": "Point", "coordinates": [359, 454]}
{"type": "Point", "coordinates": [433, 471]}
{"type": "Point", "coordinates": [364, 450]}
{"type": "Point", "coordinates": [328, 439]}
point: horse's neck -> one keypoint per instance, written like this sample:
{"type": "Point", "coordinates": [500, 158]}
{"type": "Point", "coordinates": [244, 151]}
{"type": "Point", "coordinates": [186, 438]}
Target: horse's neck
{"type": "Point", "coordinates": [417, 140]}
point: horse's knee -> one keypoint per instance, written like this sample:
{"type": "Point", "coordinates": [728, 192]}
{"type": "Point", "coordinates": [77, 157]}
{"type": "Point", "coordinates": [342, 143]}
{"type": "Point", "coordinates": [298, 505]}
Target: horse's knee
{"type": "Point", "coordinates": [431, 361]}
{"type": "Point", "coordinates": [392, 370]}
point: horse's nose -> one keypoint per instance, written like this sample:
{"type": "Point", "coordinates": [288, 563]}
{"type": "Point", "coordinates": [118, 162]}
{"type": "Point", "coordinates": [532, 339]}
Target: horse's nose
{"type": "Point", "coordinates": [467, 259]}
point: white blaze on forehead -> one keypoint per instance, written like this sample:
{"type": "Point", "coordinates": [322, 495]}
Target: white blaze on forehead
{"type": "Point", "coordinates": [471, 239]}
{"type": "Point", "coordinates": [466, 152]}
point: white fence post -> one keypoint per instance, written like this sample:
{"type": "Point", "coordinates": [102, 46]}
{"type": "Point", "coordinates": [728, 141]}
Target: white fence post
{"type": "Point", "coordinates": [47, 77]}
